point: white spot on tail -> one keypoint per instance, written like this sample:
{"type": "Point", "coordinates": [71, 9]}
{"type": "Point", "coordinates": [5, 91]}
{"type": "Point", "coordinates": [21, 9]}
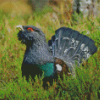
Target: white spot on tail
{"type": "Point", "coordinates": [73, 40]}
{"type": "Point", "coordinates": [82, 46]}
{"type": "Point", "coordinates": [66, 38]}
{"type": "Point", "coordinates": [65, 50]}
{"type": "Point", "coordinates": [86, 49]}
{"type": "Point", "coordinates": [59, 67]}
{"type": "Point", "coordinates": [77, 42]}
{"type": "Point", "coordinates": [88, 55]}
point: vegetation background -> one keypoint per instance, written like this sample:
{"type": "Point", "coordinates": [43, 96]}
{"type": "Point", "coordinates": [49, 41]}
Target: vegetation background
{"type": "Point", "coordinates": [53, 15]}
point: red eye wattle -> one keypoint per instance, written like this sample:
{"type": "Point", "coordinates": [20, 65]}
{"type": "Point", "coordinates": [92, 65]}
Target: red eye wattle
{"type": "Point", "coordinates": [30, 29]}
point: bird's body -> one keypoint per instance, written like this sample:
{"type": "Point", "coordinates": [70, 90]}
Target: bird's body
{"type": "Point", "coordinates": [61, 53]}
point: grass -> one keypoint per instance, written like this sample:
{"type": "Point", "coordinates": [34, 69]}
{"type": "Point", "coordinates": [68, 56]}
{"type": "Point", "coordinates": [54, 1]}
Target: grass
{"type": "Point", "coordinates": [14, 87]}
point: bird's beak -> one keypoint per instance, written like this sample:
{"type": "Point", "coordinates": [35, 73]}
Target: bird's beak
{"type": "Point", "coordinates": [19, 27]}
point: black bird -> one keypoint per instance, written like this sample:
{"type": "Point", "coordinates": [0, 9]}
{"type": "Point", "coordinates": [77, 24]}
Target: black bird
{"type": "Point", "coordinates": [66, 49]}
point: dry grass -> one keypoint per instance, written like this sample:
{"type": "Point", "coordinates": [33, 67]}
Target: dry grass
{"type": "Point", "coordinates": [17, 7]}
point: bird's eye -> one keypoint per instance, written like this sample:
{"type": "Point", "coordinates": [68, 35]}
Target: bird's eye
{"type": "Point", "coordinates": [30, 29]}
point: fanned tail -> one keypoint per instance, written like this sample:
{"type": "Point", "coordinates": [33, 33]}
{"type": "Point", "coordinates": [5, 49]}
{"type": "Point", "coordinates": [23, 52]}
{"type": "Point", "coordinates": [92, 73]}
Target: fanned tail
{"type": "Point", "coordinates": [71, 46]}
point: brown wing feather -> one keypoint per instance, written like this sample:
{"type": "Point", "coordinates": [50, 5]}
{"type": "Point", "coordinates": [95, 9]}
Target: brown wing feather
{"type": "Point", "coordinates": [65, 68]}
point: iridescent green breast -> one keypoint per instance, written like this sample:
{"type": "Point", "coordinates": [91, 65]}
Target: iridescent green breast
{"type": "Point", "coordinates": [47, 68]}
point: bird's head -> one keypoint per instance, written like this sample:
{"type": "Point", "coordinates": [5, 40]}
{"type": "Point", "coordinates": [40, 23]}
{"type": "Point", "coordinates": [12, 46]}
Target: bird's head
{"type": "Point", "coordinates": [30, 34]}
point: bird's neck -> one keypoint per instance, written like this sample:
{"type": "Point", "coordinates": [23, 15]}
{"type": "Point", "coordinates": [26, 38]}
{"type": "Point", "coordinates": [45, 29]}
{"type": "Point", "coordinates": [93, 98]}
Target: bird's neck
{"type": "Point", "coordinates": [38, 54]}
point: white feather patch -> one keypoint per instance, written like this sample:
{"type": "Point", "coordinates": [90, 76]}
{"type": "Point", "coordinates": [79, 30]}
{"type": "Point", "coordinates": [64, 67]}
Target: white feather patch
{"type": "Point", "coordinates": [59, 67]}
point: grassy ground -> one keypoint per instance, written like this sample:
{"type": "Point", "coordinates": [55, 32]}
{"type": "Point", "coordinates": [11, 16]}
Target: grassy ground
{"type": "Point", "coordinates": [14, 87]}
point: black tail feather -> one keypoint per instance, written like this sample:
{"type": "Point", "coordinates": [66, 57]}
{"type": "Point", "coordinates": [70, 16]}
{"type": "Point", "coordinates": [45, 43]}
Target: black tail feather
{"type": "Point", "coordinates": [71, 46]}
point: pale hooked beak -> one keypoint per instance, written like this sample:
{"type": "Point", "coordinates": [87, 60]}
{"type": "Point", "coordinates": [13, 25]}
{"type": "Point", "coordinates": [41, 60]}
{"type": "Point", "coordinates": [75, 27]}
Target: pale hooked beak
{"type": "Point", "coordinates": [19, 27]}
